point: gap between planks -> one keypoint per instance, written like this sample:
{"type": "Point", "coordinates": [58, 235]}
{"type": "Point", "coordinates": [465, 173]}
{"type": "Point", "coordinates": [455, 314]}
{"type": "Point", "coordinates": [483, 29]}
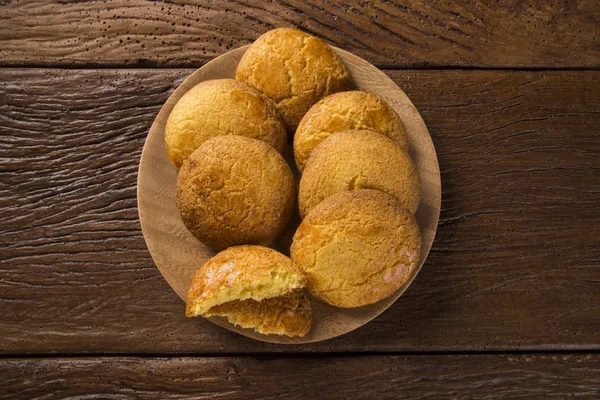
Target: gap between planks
{"type": "Point", "coordinates": [318, 354]}
{"type": "Point", "coordinates": [150, 66]}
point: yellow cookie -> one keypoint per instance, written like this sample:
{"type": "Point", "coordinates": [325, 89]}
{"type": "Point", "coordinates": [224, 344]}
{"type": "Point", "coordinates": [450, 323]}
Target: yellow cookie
{"type": "Point", "coordinates": [346, 111]}
{"type": "Point", "coordinates": [357, 247]}
{"type": "Point", "coordinates": [358, 160]}
{"type": "Point", "coordinates": [289, 314]}
{"type": "Point", "coordinates": [235, 190]}
{"type": "Point", "coordinates": [294, 69]}
{"type": "Point", "coordinates": [221, 107]}
{"type": "Point", "coordinates": [254, 287]}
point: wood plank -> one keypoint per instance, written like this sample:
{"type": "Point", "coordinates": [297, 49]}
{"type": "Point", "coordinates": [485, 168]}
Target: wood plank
{"type": "Point", "coordinates": [424, 376]}
{"type": "Point", "coordinates": [388, 33]}
{"type": "Point", "coordinates": [515, 264]}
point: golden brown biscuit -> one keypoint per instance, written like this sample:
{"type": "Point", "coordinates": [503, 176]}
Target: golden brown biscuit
{"type": "Point", "coordinates": [345, 111]}
{"type": "Point", "coordinates": [254, 287]}
{"type": "Point", "coordinates": [357, 247]}
{"type": "Point", "coordinates": [288, 315]}
{"type": "Point", "coordinates": [241, 273]}
{"type": "Point", "coordinates": [294, 69]}
{"type": "Point", "coordinates": [221, 107]}
{"type": "Point", "coordinates": [358, 160]}
{"type": "Point", "coordinates": [235, 190]}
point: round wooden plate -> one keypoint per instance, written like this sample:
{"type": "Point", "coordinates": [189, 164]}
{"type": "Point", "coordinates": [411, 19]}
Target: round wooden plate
{"type": "Point", "coordinates": [178, 254]}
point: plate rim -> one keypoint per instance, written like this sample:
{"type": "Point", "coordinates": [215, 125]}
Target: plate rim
{"type": "Point", "coordinates": [185, 86]}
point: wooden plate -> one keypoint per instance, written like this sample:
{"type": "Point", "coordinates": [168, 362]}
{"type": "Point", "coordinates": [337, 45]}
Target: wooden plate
{"type": "Point", "coordinates": [178, 254]}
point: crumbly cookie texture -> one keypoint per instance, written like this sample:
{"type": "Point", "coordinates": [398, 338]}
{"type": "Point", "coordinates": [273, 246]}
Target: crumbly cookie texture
{"type": "Point", "coordinates": [221, 107]}
{"type": "Point", "coordinates": [288, 315]}
{"type": "Point", "coordinates": [235, 190]}
{"type": "Point", "coordinates": [358, 159]}
{"type": "Point", "coordinates": [254, 287]}
{"type": "Point", "coordinates": [346, 111]}
{"type": "Point", "coordinates": [357, 248]}
{"type": "Point", "coordinates": [294, 69]}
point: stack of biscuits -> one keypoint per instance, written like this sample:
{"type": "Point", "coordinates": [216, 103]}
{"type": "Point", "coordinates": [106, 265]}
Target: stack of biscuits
{"type": "Point", "coordinates": [358, 241]}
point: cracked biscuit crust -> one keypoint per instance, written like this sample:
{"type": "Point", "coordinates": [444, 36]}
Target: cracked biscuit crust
{"type": "Point", "coordinates": [221, 107]}
{"type": "Point", "coordinates": [235, 190]}
{"type": "Point", "coordinates": [358, 160]}
{"type": "Point", "coordinates": [294, 69]}
{"type": "Point", "coordinates": [346, 111]}
{"type": "Point", "coordinates": [357, 248]}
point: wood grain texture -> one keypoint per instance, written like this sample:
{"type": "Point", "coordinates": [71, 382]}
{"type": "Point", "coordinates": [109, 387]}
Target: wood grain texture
{"type": "Point", "coordinates": [515, 264]}
{"type": "Point", "coordinates": [365, 377]}
{"type": "Point", "coordinates": [489, 33]}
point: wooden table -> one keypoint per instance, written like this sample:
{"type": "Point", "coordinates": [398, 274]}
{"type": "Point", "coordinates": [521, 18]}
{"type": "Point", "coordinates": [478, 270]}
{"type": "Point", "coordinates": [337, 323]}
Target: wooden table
{"type": "Point", "coordinates": [507, 304]}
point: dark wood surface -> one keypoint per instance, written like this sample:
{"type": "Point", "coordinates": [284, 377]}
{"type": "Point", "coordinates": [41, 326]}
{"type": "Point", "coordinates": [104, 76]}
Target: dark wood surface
{"type": "Point", "coordinates": [509, 269]}
{"type": "Point", "coordinates": [365, 377]}
{"type": "Point", "coordinates": [511, 99]}
{"type": "Point", "coordinates": [391, 34]}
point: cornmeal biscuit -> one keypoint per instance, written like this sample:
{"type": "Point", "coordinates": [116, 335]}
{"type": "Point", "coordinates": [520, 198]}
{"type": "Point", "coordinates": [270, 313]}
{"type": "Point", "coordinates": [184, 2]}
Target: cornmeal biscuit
{"type": "Point", "coordinates": [254, 287]}
{"type": "Point", "coordinates": [358, 160]}
{"type": "Point", "coordinates": [235, 190]}
{"type": "Point", "coordinates": [345, 111]}
{"type": "Point", "coordinates": [357, 247]}
{"type": "Point", "coordinates": [294, 69]}
{"type": "Point", "coordinates": [289, 314]}
{"type": "Point", "coordinates": [221, 107]}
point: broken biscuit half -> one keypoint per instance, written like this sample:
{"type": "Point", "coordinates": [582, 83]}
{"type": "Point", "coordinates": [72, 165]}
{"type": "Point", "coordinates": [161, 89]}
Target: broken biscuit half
{"type": "Point", "coordinates": [252, 287]}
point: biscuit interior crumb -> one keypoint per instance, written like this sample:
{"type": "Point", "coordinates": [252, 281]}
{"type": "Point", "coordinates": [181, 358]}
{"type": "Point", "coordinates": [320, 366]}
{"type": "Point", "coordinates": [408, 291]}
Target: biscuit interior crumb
{"type": "Point", "coordinates": [272, 285]}
{"type": "Point", "coordinates": [289, 314]}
